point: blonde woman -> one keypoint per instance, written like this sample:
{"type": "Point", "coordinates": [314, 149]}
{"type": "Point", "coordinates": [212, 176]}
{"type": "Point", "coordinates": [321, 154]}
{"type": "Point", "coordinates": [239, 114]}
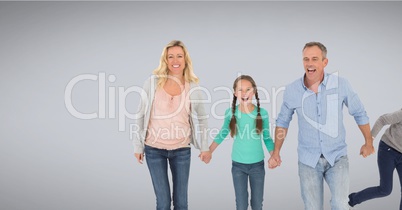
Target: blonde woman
{"type": "Point", "coordinates": [170, 101]}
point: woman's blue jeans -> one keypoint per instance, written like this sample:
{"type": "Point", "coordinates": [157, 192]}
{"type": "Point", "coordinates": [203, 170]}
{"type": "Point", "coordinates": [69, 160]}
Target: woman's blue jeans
{"type": "Point", "coordinates": [388, 159]}
{"type": "Point", "coordinates": [179, 162]}
{"type": "Point", "coordinates": [242, 174]}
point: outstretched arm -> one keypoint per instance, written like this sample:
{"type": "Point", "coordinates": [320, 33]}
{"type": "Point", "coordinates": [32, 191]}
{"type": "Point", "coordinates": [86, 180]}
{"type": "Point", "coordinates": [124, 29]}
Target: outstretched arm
{"type": "Point", "coordinates": [207, 156]}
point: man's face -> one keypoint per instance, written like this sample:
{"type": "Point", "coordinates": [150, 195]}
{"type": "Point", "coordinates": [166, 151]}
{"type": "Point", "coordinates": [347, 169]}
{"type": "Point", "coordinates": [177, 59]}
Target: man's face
{"type": "Point", "coordinates": [314, 63]}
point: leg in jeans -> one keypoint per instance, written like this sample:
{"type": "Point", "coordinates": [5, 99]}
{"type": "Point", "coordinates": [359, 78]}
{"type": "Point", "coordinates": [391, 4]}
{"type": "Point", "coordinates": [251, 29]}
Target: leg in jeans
{"type": "Point", "coordinates": [399, 170]}
{"type": "Point", "coordinates": [311, 185]}
{"type": "Point", "coordinates": [240, 183]}
{"type": "Point", "coordinates": [179, 161]}
{"type": "Point", "coordinates": [157, 164]}
{"type": "Point", "coordinates": [257, 177]}
{"type": "Point", "coordinates": [385, 160]}
{"type": "Point", "coordinates": [337, 178]}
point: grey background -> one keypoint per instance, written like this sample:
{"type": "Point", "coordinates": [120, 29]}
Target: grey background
{"type": "Point", "coordinates": [51, 160]}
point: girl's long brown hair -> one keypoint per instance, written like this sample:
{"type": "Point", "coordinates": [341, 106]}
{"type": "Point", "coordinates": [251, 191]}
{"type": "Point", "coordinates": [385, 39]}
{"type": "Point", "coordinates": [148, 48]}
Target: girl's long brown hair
{"type": "Point", "coordinates": [233, 121]}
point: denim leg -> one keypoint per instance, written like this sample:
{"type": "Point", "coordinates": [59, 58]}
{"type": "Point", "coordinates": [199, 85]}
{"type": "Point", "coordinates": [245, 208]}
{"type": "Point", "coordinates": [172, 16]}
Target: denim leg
{"type": "Point", "coordinates": [157, 164]}
{"type": "Point", "coordinates": [240, 183]}
{"type": "Point", "coordinates": [337, 178]}
{"type": "Point", "coordinates": [399, 170]}
{"type": "Point", "coordinates": [386, 166]}
{"type": "Point", "coordinates": [257, 177]}
{"type": "Point", "coordinates": [179, 161]}
{"type": "Point", "coordinates": [311, 185]}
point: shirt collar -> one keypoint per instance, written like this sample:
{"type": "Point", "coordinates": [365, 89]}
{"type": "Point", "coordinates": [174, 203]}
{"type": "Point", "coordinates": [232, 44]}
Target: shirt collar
{"type": "Point", "coordinates": [324, 81]}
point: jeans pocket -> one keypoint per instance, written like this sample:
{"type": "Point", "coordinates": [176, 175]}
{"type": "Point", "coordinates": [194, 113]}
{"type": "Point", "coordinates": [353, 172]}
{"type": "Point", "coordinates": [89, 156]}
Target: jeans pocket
{"type": "Point", "coordinates": [384, 147]}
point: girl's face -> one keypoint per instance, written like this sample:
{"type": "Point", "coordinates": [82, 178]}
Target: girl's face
{"type": "Point", "coordinates": [175, 60]}
{"type": "Point", "coordinates": [244, 92]}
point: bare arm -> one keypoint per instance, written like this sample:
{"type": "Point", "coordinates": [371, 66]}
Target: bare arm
{"type": "Point", "coordinates": [213, 146]}
{"type": "Point", "coordinates": [218, 138]}
{"type": "Point", "coordinates": [275, 159]}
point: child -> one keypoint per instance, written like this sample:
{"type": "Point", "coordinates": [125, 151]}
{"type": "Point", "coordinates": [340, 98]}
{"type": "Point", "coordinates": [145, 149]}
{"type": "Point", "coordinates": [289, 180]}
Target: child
{"type": "Point", "coordinates": [246, 123]}
{"type": "Point", "coordinates": [389, 158]}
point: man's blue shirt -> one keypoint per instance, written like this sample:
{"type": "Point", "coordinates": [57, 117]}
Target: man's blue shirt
{"type": "Point", "coordinates": [320, 117]}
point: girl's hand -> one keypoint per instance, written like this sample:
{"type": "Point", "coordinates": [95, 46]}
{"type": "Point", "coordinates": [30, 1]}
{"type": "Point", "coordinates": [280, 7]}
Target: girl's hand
{"type": "Point", "coordinates": [274, 161]}
{"type": "Point", "coordinates": [205, 156]}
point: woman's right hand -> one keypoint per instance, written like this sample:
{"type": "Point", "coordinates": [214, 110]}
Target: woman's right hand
{"type": "Point", "coordinates": [139, 156]}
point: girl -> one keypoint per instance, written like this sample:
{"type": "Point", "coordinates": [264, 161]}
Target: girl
{"type": "Point", "coordinates": [246, 123]}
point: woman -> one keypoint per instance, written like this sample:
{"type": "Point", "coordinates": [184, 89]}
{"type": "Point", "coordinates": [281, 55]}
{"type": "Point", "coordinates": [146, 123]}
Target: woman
{"type": "Point", "coordinates": [165, 119]}
{"type": "Point", "coordinates": [389, 158]}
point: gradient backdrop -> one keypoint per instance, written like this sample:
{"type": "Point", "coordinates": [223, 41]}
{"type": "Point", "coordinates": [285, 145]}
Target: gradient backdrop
{"type": "Point", "coordinates": [52, 159]}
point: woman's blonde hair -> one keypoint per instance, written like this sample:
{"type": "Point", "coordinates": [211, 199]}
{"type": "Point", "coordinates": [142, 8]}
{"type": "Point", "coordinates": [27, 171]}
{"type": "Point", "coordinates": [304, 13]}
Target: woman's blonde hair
{"type": "Point", "coordinates": [162, 71]}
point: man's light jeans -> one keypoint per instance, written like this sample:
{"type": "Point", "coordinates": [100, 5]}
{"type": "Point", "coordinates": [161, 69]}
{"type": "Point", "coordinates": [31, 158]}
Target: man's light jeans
{"type": "Point", "coordinates": [312, 184]}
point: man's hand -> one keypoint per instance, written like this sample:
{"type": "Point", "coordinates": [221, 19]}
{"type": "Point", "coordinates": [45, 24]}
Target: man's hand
{"type": "Point", "coordinates": [367, 150]}
{"type": "Point", "coordinates": [274, 161]}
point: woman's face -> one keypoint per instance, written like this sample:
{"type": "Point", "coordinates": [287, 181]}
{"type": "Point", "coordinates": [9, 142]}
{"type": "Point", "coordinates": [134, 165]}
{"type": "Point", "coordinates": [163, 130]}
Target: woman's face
{"type": "Point", "coordinates": [175, 60]}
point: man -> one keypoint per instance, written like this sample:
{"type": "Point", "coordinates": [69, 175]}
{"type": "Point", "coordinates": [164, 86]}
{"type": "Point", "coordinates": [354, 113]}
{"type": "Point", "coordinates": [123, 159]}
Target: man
{"type": "Point", "coordinates": [318, 99]}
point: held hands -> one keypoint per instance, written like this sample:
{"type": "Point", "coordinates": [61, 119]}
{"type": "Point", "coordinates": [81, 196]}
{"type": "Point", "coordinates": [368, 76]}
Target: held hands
{"type": "Point", "coordinates": [274, 160]}
{"type": "Point", "coordinates": [205, 156]}
{"type": "Point", "coordinates": [367, 150]}
{"type": "Point", "coordinates": [139, 156]}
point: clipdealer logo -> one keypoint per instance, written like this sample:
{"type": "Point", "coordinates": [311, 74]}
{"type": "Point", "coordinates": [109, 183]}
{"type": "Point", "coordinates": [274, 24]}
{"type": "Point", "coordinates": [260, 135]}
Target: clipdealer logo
{"type": "Point", "coordinates": [122, 93]}
{"type": "Point", "coordinates": [112, 101]}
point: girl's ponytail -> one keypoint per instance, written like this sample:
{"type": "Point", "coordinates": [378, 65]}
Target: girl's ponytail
{"type": "Point", "coordinates": [258, 119]}
{"type": "Point", "coordinates": [232, 125]}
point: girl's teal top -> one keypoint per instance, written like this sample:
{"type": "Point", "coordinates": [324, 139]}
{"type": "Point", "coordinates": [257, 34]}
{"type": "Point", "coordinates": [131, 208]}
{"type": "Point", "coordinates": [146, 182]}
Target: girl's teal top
{"type": "Point", "coordinates": [247, 145]}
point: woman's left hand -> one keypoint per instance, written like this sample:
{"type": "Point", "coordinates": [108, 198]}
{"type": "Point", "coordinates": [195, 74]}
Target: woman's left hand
{"type": "Point", "coordinates": [205, 156]}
